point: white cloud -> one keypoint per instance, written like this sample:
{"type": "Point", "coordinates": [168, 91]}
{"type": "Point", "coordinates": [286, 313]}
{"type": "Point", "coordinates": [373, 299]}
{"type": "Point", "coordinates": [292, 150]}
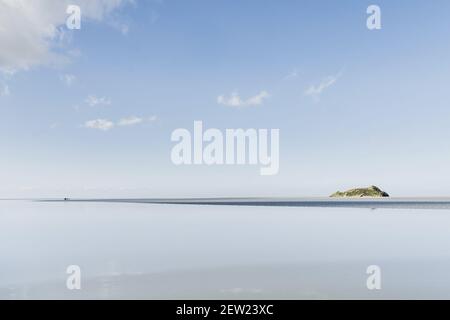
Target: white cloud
{"type": "Point", "coordinates": [292, 75]}
{"type": "Point", "coordinates": [316, 91]}
{"type": "Point", "coordinates": [124, 29]}
{"type": "Point", "coordinates": [100, 124]}
{"type": "Point", "coordinates": [234, 100]}
{"type": "Point", "coordinates": [258, 99]}
{"type": "Point", "coordinates": [29, 29]}
{"type": "Point", "coordinates": [105, 125]}
{"type": "Point", "coordinates": [130, 121]}
{"type": "Point", "coordinates": [4, 90]}
{"type": "Point", "coordinates": [68, 79]}
{"type": "Point", "coordinates": [94, 101]}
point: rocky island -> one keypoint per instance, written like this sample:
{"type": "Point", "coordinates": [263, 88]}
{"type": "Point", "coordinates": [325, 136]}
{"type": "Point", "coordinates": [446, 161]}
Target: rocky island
{"type": "Point", "coordinates": [371, 191]}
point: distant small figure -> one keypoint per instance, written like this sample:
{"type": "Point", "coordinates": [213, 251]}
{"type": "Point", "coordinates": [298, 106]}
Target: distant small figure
{"type": "Point", "coordinates": [66, 199]}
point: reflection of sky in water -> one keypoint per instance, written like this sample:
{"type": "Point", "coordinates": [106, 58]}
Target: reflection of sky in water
{"type": "Point", "coordinates": [186, 251]}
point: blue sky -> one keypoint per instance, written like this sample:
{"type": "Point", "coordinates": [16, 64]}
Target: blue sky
{"type": "Point", "coordinates": [382, 118]}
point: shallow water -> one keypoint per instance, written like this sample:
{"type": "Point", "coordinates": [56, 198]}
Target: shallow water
{"type": "Point", "coordinates": [372, 203]}
{"type": "Point", "coordinates": [143, 250]}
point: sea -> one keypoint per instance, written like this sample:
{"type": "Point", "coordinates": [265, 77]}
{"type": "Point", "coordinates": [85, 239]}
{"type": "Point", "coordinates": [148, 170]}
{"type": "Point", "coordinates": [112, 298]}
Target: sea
{"type": "Point", "coordinates": [241, 248]}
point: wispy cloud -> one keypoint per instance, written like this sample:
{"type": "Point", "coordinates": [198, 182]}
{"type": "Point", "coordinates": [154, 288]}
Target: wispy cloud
{"type": "Point", "coordinates": [100, 124]}
{"type": "Point", "coordinates": [122, 27]}
{"type": "Point", "coordinates": [316, 91]}
{"type": "Point", "coordinates": [4, 90]}
{"type": "Point", "coordinates": [94, 101]}
{"type": "Point", "coordinates": [68, 79]}
{"type": "Point", "coordinates": [29, 29]}
{"type": "Point", "coordinates": [234, 100]}
{"type": "Point", "coordinates": [130, 121]}
{"type": "Point", "coordinates": [292, 75]}
{"type": "Point", "coordinates": [105, 125]}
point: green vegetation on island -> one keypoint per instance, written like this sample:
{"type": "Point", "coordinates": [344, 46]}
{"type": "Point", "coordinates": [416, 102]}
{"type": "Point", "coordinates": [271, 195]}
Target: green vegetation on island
{"type": "Point", "coordinates": [371, 191]}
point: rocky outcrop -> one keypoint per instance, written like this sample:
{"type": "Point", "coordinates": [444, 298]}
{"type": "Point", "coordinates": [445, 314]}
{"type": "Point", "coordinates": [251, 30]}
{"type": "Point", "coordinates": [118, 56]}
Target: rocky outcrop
{"type": "Point", "coordinates": [372, 191]}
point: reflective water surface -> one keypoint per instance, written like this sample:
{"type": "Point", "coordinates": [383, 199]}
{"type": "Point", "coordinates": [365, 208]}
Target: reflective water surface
{"type": "Point", "coordinates": [186, 251]}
